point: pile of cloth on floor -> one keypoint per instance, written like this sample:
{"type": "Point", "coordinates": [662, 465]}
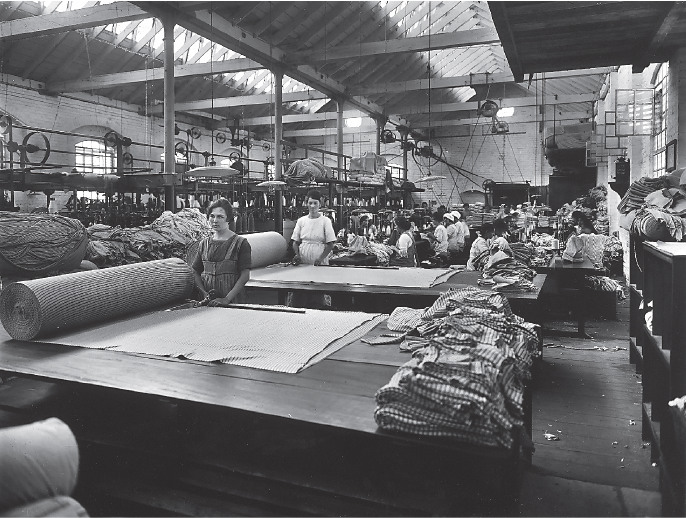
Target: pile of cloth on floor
{"type": "Point", "coordinates": [168, 236]}
{"type": "Point", "coordinates": [504, 273]}
{"type": "Point", "coordinates": [602, 283]}
{"type": "Point", "coordinates": [470, 358]}
{"type": "Point", "coordinates": [306, 171]}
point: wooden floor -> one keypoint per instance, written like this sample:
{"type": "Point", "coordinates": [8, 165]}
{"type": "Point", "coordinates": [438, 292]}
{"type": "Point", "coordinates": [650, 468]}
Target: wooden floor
{"type": "Point", "coordinates": [589, 398]}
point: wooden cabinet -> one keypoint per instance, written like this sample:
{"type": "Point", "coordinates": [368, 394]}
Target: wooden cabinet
{"type": "Point", "coordinates": [658, 328]}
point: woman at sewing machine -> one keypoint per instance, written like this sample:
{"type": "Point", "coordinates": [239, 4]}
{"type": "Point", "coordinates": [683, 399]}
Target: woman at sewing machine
{"type": "Point", "coordinates": [222, 264]}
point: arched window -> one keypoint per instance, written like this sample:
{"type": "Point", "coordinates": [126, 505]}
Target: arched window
{"type": "Point", "coordinates": [660, 84]}
{"type": "Point", "coordinates": [93, 157]}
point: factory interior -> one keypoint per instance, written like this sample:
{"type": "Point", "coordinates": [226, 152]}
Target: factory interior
{"type": "Point", "coordinates": [335, 258]}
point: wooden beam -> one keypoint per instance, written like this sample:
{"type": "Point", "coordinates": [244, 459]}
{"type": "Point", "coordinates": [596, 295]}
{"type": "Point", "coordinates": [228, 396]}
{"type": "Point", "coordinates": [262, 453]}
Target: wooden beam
{"type": "Point", "coordinates": [243, 100]}
{"type": "Point", "coordinates": [274, 11]}
{"type": "Point", "coordinates": [502, 25]}
{"type": "Point", "coordinates": [218, 29]}
{"type": "Point", "coordinates": [423, 84]}
{"type": "Point", "coordinates": [140, 76]}
{"type": "Point", "coordinates": [449, 40]}
{"type": "Point", "coordinates": [332, 131]}
{"type": "Point", "coordinates": [57, 22]}
{"type": "Point", "coordinates": [503, 103]}
{"type": "Point", "coordinates": [523, 119]}
{"type": "Point", "coordinates": [47, 49]}
{"type": "Point", "coordinates": [301, 118]}
{"type": "Point", "coordinates": [670, 16]}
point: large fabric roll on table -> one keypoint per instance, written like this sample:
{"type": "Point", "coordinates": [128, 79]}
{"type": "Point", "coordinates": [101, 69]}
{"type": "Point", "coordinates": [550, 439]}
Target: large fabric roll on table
{"type": "Point", "coordinates": [267, 248]}
{"type": "Point", "coordinates": [34, 308]}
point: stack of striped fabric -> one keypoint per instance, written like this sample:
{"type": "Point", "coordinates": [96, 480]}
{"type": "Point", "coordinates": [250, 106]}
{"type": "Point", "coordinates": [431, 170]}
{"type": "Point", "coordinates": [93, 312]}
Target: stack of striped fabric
{"type": "Point", "coordinates": [467, 382]}
{"type": "Point", "coordinates": [635, 196]}
{"type": "Point", "coordinates": [523, 252]}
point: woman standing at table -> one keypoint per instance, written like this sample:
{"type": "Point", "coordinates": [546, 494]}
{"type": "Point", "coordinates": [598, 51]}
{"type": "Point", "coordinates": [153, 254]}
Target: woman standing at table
{"type": "Point", "coordinates": [313, 236]}
{"type": "Point", "coordinates": [313, 239]}
{"type": "Point", "coordinates": [222, 264]}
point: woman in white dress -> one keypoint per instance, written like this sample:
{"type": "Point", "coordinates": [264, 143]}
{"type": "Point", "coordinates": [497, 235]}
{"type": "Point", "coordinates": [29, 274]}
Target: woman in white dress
{"type": "Point", "coordinates": [313, 235]}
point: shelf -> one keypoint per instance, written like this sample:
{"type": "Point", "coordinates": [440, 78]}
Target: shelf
{"type": "Point", "coordinates": [655, 343]}
{"type": "Point", "coordinates": [636, 354]}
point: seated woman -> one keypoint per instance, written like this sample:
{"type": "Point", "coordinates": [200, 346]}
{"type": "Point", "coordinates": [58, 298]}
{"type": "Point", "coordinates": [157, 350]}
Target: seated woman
{"type": "Point", "coordinates": [222, 264]}
{"type": "Point", "coordinates": [405, 247]}
{"type": "Point", "coordinates": [500, 242]}
{"type": "Point", "coordinates": [584, 238]}
{"type": "Point", "coordinates": [481, 249]}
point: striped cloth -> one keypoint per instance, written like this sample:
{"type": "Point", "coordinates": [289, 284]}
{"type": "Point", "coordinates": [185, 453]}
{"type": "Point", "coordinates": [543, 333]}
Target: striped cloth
{"type": "Point", "coordinates": [270, 340]}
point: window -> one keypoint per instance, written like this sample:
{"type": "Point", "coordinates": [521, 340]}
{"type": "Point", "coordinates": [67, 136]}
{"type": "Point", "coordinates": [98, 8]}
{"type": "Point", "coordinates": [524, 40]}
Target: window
{"type": "Point", "coordinates": [661, 97]}
{"type": "Point", "coordinates": [93, 157]}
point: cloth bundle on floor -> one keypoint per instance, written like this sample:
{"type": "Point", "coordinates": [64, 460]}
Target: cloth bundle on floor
{"type": "Point", "coordinates": [30, 309]}
{"type": "Point", "coordinates": [35, 244]}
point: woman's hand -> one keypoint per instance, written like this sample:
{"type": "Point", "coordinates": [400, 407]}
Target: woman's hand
{"type": "Point", "coordinates": [219, 303]}
{"type": "Point", "coordinates": [318, 261]}
{"type": "Point", "coordinates": [296, 260]}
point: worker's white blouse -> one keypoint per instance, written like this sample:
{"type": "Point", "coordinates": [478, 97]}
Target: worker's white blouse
{"type": "Point", "coordinates": [313, 234]}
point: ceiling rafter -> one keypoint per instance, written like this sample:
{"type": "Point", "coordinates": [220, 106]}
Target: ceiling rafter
{"type": "Point", "coordinates": [274, 10]}
{"type": "Point", "coordinates": [141, 76]}
{"type": "Point", "coordinates": [58, 22]}
{"type": "Point", "coordinates": [241, 100]}
{"type": "Point", "coordinates": [232, 37]}
{"type": "Point", "coordinates": [48, 49]}
{"type": "Point", "coordinates": [402, 45]}
{"type": "Point", "coordinates": [327, 16]}
{"type": "Point", "coordinates": [301, 16]}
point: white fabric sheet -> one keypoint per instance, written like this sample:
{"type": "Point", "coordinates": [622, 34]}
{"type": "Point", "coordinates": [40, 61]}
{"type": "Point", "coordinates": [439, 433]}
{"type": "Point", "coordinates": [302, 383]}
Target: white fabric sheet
{"type": "Point", "coordinates": [282, 341]}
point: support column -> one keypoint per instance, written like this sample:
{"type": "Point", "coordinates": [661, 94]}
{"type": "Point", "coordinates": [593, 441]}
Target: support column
{"type": "Point", "coordinates": [380, 123]}
{"type": "Point", "coordinates": [341, 162]}
{"type": "Point", "coordinates": [169, 22]}
{"type": "Point", "coordinates": [278, 135]}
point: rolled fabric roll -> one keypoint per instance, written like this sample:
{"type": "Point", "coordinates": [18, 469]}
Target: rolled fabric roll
{"type": "Point", "coordinates": [267, 248]}
{"type": "Point", "coordinates": [29, 309]}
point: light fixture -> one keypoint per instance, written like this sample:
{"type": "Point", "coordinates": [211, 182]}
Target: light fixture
{"type": "Point", "coordinates": [429, 179]}
{"type": "Point", "coordinates": [505, 112]}
{"type": "Point", "coordinates": [353, 122]}
{"type": "Point", "coordinates": [272, 183]}
{"type": "Point", "coordinates": [214, 171]}
{"type": "Point", "coordinates": [238, 166]}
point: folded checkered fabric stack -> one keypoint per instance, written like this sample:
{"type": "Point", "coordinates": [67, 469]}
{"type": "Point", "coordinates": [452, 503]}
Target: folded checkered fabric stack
{"type": "Point", "coordinates": [637, 192]}
{"type": "Point", "coordinates": [523, 252]}
{"type": "Point", "coordinates": [467, 382]}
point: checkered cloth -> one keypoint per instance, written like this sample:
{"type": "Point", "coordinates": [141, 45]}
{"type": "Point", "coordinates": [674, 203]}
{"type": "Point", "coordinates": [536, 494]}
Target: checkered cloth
{"type": "Point", "coordinates": [467, 380]}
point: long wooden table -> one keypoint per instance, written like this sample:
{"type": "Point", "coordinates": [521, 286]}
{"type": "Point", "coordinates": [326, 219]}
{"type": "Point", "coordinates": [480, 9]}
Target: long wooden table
{"type": "Point", "coordinates": [346, 465]}
{"type": "Point", "coordinates": [378, 297]}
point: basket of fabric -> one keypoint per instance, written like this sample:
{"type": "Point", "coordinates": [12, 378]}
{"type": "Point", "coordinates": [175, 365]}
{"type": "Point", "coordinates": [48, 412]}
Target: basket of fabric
{"type": "Point", "coordinates": [653, 229]}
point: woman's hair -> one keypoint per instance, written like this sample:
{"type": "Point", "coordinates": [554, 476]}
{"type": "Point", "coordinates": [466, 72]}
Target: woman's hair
{"type": "Point", "coordinates": [487, 228]}
{"type": "Point", "coordinates": [314, 194]}
{"type": "Point", "coordinates": [499, 226]}
{"type": "Point", "coordinates": [221, 203]}
{"type": "Point", "coordinates": [402, 223]}
{"type": "Point", "coordinates": [437, 216]}
{"type": "Point", "coordinates": [582, 219]}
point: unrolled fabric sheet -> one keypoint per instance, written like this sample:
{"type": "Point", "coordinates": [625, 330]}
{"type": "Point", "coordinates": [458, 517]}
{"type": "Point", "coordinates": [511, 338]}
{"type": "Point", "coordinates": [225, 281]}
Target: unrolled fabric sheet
{"type": "Point", "coordinates": [281, 341]}
{"type": "Point", "coordinates": [401, 277]}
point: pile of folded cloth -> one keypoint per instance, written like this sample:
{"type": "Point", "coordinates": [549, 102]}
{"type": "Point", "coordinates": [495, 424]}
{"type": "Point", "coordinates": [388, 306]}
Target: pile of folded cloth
{"type": "Point", "coordinates": [306, 171]}
{"type": "Point", "coordinates": [523, 252]}
{"type": "Point", "coordinates": [507, 274]}
{"type": "Point", "coordinates": [613, 251]}
{"type": "Point", "coordinates": [170, 235]}
{"type": "Point", "coordinates": [465, 379]}
{"type": "Point", "coordinates": [637, 192]}
{"type": "Point", "coordinates": [369, 169]}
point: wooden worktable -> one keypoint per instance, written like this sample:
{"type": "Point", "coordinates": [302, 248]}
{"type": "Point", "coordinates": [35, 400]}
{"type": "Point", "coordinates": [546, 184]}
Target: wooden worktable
{"type": "Point", "coordinates": [332, 401]}
{"type": "Point", "coordinates": [379, 297]}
